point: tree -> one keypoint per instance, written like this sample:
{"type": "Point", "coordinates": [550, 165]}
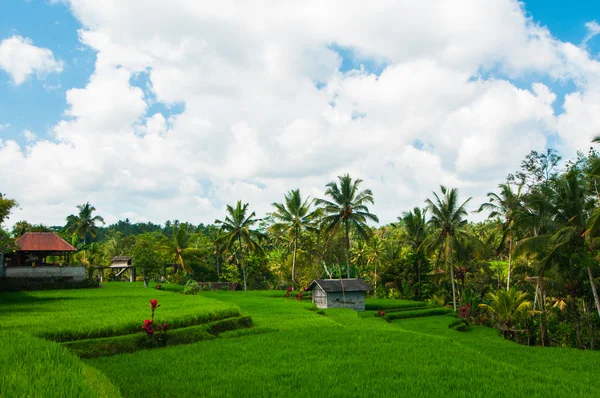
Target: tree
{"type": "Point", "coordinates": [447, 219]}
{"type": "Point", "coordinates": [347, 208]}
{"type": "Point", "coordinates": [146, 255]}
{"type": "Point", "coordinates": [375, 249]}
{"type": "Point", "coordinates": [237, 231]}
{"type": "Point", "coordinates": [179, 246]}
{"type": "Point", "coordinates": [507, 307]}
{"type": "Point", "coordinates": [6, 206]}
{"type": "Point", "coordinates": [84, 223]}
{"type": "Point", "coordinates": [505, 205]}
{"type": "Point", "coordinates": [292, 217]}
{"type": "Point", "coordinates": [415, 233]}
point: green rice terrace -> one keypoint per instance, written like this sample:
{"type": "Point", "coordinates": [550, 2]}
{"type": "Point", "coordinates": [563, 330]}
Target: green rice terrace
{"type": "Point", "coordinates": [90, 343]}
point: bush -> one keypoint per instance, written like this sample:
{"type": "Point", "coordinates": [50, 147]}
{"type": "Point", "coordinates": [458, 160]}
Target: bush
{"type": "Point", "coordinates": [191, 288]}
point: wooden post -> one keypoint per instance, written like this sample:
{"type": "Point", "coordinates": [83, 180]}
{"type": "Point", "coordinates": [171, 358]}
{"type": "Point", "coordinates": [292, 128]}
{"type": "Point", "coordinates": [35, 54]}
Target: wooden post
{"type": "Point", "coordinates": [130, 274]}
{"type": "Point", "coordinates": [101, 274]}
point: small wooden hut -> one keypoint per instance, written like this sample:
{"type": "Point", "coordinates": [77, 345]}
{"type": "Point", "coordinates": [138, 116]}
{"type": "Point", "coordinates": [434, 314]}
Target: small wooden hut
{"type": "Point", "coordinates": [339, 293]}
{"type": "Point", "coordinates": [120, 263]}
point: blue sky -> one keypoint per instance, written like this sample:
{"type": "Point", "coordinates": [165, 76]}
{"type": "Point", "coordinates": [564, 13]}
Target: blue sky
{"type": "Point", "coordinates": [37, 105]}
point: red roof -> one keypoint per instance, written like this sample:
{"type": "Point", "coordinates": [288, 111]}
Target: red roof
{"type": "Point", "coordinates": [43, 242]}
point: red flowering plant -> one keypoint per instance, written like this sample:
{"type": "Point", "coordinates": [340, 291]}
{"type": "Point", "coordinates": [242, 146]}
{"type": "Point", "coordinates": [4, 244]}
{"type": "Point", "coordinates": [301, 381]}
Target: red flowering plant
{"type": "Point", "coordinates": [380, 313]}
{"type": "Point", "coordinates": [465, 313]}
{"type": "Point", "coordinates": [299, 296]}
{"type": "Point", "coordinates": [150, 327]}
{"type": "Point", "coordinates": [289, 291]}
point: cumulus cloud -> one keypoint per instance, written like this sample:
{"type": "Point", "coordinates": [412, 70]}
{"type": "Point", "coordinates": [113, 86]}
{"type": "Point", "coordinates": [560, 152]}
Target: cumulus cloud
{"type": "Point", "coordinates": [21, 59]}
{"type": "Point", "coordinates": [593, 30]}
{"type": "Point", "coordinates": [268, 107]}
{"type": "Point", "coordinates": [29, 135]}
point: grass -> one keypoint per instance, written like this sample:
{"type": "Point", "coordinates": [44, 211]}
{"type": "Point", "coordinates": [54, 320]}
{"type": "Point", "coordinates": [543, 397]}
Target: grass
{"type": "Point", "coordinates": [294, 351]}
{"type": "Point", "coordinates": [115, 309]}
{"type": "Point", "coordinates": [387, 305]}
{"type": "Point", "coordinates": [341, 354]}
{"type": "Point", "coordinates": [417, 313]}
{"type": "Point", "coordinates": [32, 367]}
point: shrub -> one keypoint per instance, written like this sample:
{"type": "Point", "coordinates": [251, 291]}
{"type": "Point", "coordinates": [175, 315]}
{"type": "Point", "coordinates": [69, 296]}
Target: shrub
{"type": "Point", "coordinates": [191, 288]}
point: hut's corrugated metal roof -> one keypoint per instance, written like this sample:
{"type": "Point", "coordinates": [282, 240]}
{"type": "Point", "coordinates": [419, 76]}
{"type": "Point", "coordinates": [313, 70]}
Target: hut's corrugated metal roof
{"type": "Point", "coordinates": [335, 285]}
{"type": "Point", "coordinates": [120, 258]}
{"type": "Point", "coordinates": [43, 242]}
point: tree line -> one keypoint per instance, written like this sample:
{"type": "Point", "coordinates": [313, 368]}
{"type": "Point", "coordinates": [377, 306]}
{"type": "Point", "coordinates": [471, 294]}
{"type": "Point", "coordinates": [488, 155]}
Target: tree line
{"type": "Point", "coordinates": [530, 268]}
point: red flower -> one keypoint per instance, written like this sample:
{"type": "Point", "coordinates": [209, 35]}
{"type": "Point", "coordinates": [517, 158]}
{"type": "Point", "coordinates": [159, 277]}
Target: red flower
{"type": "Point", "coordinates": [154, 304]}
{"type": "Point", "coordinates": [147, 323]}
{"type": "Point", "coordinates": [164, 327]}
{"type": "Point", "coordinates": [289, 289]}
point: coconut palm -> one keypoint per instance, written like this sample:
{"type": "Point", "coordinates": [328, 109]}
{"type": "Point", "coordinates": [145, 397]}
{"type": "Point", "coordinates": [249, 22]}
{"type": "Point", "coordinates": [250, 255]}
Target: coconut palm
{"type": "Point", "coordinates": [292, 218]}
{"type": "Point", "coordinates": [238, 233]}
{"type": "Point", "coordinates": [415, 232]}
{"type": "Point", "coordinates": [180, 247]}
{"type": "Point", "coordinates": [507, 307]}
{"type": "Point", "coordinates": [505, 205]}
{"type": "Point", "coordinates": [575, 234]}
{"type": "Point", "coordinates": [375, 250]}
{"type": "Point", "coordinates": [447, 220]}
{"type": "Point", "coordinates": [84, 223]}
{"type": "Point", "coordinates": [348, 209]}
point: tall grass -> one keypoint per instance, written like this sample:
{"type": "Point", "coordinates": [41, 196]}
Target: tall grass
{"type": "Point", "coordinates": [32, 367]}
{"type": "Point", "coordinates": [115, 309]}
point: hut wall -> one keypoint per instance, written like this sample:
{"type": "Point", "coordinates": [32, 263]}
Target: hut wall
{"type": "Point", "coordinates": [319, 297]}
{"type": "Point", "coordinates": [354, 300]}
{"type": "Point", "coordinates": [77, 273]}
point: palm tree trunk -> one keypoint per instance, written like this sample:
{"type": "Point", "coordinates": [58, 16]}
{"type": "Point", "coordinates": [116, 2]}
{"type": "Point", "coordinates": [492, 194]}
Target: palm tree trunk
{"type": "Point", "coordinates": [376, 279]}
{"type": "Point", "coordinates": [449, 258]}
{"type": "Point", "coordinates": [419, 276]}
{"type": "Point", "coordinates": [347, 247]}
{"type": "Point", "coordinates": [242, 261]}
{"type": "Point", "coordinates": [294, 258]}
{"type": "Point", "coordinates": [509, 262]}
{"type": "Point", "coordinates": [589, 269]}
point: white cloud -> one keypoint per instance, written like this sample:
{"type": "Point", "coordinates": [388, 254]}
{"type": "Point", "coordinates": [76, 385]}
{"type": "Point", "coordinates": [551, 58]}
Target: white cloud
{"type": "Point", "coordinates": [267, 108]}
{"type": "Point", "coordinates": [4, 126]}
{"type": "Point", "coordinates": [29, 135]}
{"type": "Point", "coordinates": [593, 30]}
{"type": "Point", "coordinates": [20, 59]}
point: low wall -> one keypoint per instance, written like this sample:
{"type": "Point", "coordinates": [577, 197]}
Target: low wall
{"type": "Point", "coordinates": [76, 273]}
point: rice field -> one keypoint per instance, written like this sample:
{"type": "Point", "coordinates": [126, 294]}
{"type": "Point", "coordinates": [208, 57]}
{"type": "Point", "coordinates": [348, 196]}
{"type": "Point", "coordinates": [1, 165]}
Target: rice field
{"type": "Point", "coordinates": [115, 309]}
{"type": "Point", "coordinates": [292, 350]}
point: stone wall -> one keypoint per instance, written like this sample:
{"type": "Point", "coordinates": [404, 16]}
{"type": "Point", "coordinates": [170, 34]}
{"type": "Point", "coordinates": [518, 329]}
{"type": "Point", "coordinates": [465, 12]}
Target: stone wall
{"type": "Point", "coordinates": [77, 273]}
{"type": "Point", "coordinates": [354, 300]}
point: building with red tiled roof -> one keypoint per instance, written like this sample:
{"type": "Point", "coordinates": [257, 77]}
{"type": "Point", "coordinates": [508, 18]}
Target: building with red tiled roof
{"type": "Point", "coordinates": [37, 248]}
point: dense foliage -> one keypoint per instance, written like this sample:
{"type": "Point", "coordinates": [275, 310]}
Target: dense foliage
{"type": "Point", "coordinates": [541, 237]}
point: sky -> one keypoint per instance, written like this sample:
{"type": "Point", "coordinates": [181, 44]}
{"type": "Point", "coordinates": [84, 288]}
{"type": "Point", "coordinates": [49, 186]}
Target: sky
{"type": "Point", "coordinates": [154, 110]}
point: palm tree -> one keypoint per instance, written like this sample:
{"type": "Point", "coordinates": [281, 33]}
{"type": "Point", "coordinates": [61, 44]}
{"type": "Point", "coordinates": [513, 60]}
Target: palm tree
{"type": "Point", "coordinates": [84, 223]}
{"type": "Point", "coordinates": [292, 217]}
{"type": "Point", "coordinates": [575, 233]}
{"type": "Point", "coordinates": [347, 208]}
{"type": "Point", "coordinates": [179, 246]}
{"type": "Point", "coordinates": [375, 250]}
{"type": "Point", "coordinates": [505, 205]}
{"type": "Point", "coordinates": [507, 306]}
{"type": "Point", "coordinates": [447, 219]}
{"type": "Point", "coordinates": [237, 231]}
{"type": "Point", "coordinates": [415, 231]}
